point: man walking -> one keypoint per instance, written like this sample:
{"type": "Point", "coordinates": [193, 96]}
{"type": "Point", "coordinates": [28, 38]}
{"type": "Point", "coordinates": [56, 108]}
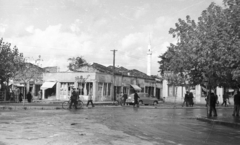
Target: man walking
{"type": "Point", "coordinates": [136, 99]}
{"type": "Point", "coordinates": [191, 103]}
{"type": "Point", "coordinates": [213, 101]}
{"type": "Point", "coordinates": [124, 98]}
{"type": "Point", "coordinates": [74, 98]}
{"type": "Point", "coordinates": [186, 99]}
{"type": "Point", "coordinates": [225, 97]}
{"type": "Point", "coordinates": [29, 97]}
{"type": "Point", "coordinates": [236, 104]}
{"type": "Point", "coordinates": [90, 98]}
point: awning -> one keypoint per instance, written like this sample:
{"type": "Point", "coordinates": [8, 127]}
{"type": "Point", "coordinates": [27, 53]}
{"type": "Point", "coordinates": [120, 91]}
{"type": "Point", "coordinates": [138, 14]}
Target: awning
{"type": "Point", "coordinates": [47, 85]}
{"type": "Point", "coordinates": [136, 88]}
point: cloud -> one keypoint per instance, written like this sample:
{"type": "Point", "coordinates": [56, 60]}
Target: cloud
{"type": "Point", "coordinates": [132, 38]}
{"type": "Point", "coordinates": [3, 28]}
{"type": "Point", "coordinates": [52, 44]}
{"type": "Point", "coordinates": [141, 11]}
{"type": "Point", "coordinates": [30, 29]}
{"type": "Point", "coordinates": [218, 2]}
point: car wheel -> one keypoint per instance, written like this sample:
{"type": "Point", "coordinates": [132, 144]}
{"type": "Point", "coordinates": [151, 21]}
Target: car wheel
{"type": "Point", "coordinates": [141, 102]}
{"type": "Point", "coordinates": [155, 103]}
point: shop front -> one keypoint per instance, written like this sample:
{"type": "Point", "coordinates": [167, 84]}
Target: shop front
{"type": "Point", "coordinates": [61, 84]}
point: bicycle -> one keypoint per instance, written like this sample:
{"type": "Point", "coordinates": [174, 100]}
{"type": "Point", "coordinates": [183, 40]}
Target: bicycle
{"type": "Point", "coordinates": [65, 104]}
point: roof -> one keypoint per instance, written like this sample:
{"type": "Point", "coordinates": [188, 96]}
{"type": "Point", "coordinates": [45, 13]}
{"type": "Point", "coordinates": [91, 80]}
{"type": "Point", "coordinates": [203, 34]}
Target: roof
{"type": "Point", "coordinates": [51, 69]}
{"type": "Point", "coordinates": [121, 71]}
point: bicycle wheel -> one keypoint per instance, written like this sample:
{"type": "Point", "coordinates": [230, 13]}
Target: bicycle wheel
{"type": "Point", "coordinates": [80, 104]}
{"type": "Point", "coordinates": [65, 105]}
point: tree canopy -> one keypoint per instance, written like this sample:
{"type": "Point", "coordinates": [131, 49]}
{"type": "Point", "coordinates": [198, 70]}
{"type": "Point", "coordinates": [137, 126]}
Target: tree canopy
{"type": "Point", "coordinates": [76, 62]}
{"type": "Point", "coordinates": [207, 50]}
{"type": "Point", "coordinates": [10, 60]}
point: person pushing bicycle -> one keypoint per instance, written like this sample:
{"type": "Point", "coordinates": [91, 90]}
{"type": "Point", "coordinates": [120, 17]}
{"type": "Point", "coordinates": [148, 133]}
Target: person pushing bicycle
{"type": "Point", "coordinates": [74, 98]}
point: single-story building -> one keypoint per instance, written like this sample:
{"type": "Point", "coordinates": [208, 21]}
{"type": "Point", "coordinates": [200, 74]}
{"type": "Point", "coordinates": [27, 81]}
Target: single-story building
{"type": "Point", "coordinates": [105, 85]}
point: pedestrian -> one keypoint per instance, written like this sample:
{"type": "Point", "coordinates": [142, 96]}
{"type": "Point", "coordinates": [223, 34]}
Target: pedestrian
{"type": "Point", "coordinates": [120, 99]}
{"type": "Point", "coordinates": [29, 97]}
{"type": "Point", "coordinates": [90, 98]}
{"type": "Point", "coordinates": [217, 102]}
{"type": "Point", "coordinates": [236, 104]}
{"type": "Point", "coordinates": [186, 99]}
{"type": "Point", "coordinates": [20, 97]}
{"type": "Point", "coordinates": [191, 103]}
{"type": "Point", "coordinates": [136, 99]}
{"type": "Point", "coordinates": [225, 96]}
{"type": "Point", "coordinates": [213, 101]}
{"type": "Point", "coordinates": [40, 95]}
{"type": "Point", "coordinates": [124, 98]}
{"type": "Point", "coordinates": [74, 98]}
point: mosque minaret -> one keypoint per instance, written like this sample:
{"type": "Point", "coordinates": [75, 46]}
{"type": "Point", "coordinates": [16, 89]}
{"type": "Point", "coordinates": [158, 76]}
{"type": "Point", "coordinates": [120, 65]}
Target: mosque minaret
{"type": "Point", "coordinates": [149, 58]}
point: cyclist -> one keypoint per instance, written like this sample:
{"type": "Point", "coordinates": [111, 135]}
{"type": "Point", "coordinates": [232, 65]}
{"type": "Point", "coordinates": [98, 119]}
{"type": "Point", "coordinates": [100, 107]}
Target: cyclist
{"type": "Point", "coordinates": [74, 98]}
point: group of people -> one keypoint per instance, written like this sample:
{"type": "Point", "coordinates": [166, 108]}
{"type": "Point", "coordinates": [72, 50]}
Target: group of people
{"type": "Point", "coordinates": [123, 97]}
{"type": "Point", "coordinates": [75, 97]}
{"type": "Point", "coordinates": [188, 99]}
{"type": "Point", "coordinates": [213, 101]}
{"type": "Point", "coordinates": [17, 96]}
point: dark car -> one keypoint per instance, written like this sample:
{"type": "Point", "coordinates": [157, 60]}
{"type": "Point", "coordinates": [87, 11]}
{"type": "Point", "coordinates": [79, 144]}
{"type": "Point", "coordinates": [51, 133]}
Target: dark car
{"type": "Point", "coordinates": [144, 99]}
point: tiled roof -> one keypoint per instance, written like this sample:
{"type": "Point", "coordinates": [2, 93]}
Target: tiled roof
{"type": "Point", "coordinates": [51, 69]}
{"type": "Point", "coordinates": [120, 71]}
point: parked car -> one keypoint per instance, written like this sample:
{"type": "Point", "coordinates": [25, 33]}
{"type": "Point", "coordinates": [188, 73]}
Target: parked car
{"type": "Point", "coordinates": [144, 99]}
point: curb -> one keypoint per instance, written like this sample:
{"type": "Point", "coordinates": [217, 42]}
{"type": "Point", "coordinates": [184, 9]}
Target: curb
{"type": "Point", "coordinates": [219, 122]}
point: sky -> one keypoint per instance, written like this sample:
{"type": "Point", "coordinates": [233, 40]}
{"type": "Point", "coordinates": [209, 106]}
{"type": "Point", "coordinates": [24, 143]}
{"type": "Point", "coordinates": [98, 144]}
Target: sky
{"type": "Point", "coordinates": [60, 29]}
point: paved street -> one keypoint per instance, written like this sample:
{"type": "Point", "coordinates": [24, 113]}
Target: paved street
{"type": "Point", "coordinates": [113, 125]}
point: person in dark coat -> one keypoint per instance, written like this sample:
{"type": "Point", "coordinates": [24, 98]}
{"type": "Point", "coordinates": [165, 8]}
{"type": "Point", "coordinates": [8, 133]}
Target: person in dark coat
{"type": "Point", "coordinates": [236, 104]}
{"type": "Point", "coordinates": [191, 103]}
{"type": "Point", "coordinates": [186, 99]}
{"type": "Point", "coordinates": [74, 99]}
{"type": "Point", "coordinates": [213, 101]}
{"type": "Point", "coordinates": [124, 98]}
{"type": "Point", "coordinates": [136, 99]}
{"type": "Point", "coordinates": [225, 97]}
{"type": "Point", "coordinates": [20, 97]}
{"type": "Point", "coordinates": [29, 97]}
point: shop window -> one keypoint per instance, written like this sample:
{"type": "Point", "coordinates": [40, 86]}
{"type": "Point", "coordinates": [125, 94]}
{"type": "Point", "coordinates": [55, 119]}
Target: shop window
{"type": "Point", "coordinates": [109, 89]}
{"type": "Point", "coordinates": [81, 87]}
{"type": "Point", "coordinates": [89, 86]}
{"type": "Point", "coordinates": [104, 89]}
{"type": "Point", "coordinates": [124, 90]}
{"type": "Point", "coordinates": [100, 85]}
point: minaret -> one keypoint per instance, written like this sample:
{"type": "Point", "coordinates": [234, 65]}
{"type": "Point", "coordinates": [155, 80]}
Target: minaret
{"type": "Point", "coordinates": [149, 57]}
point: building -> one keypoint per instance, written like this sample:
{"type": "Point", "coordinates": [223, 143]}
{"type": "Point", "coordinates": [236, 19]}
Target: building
{"type": "Point", "coordinates": [174, 93]}
{"type": "Point", "coordinates": [99, 78]}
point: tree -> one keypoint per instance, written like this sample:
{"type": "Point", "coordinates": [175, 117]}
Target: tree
{"type": "Point", "coordinates": [204, 51]}
{"type": "Point", "coordinates": [76, 63]}
{"type": "Point", "coordinates": [28, 72]}
{"type": "Point", "coordinates": [10, 58]}
{"type": "Point", "coordinates": [207, 51]}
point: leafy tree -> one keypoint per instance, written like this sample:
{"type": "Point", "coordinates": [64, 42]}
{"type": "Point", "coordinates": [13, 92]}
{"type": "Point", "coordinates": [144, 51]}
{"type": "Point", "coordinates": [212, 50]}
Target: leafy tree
{"type": "Point", "coordinates": [205, 51]}
{"type": "Point", "coordinates": [76, 62]}
{"type": "Point", "coordinates": [10, 60]}
{"type": "Point", "coordinates": [28, 72]}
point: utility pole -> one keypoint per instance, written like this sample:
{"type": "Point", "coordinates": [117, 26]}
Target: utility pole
{"type": "Point", "coordinates": [114, 95]}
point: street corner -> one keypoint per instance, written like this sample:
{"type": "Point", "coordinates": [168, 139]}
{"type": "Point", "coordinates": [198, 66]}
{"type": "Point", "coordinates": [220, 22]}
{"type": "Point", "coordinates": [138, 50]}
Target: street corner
{"type": "Point", "coordinates": [218, 121]}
